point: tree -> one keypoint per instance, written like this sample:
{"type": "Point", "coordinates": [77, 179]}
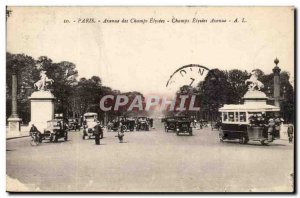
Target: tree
{"type": "Point", "coordinates": [64, 75]}
{"type": "Point", "coordinates": [27, 74]}
{"type": "Point", "coordinates": [236, 82]}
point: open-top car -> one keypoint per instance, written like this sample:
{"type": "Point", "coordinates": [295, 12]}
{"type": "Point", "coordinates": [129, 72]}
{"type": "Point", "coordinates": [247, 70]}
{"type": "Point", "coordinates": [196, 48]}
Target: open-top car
{"type": "Point", "coordinates": [142, 124]}
{"type": "Point", "coordinates": [55, 130]}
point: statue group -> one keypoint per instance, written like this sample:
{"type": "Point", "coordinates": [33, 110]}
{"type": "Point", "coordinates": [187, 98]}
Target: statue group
{"type": "Point", "coordinates": [43, 83]}
{"type": "Point", "coordinates": [255, 84]}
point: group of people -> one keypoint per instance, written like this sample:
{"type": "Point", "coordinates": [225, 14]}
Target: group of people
{"type": "Point", "coordinates": [271, 125]}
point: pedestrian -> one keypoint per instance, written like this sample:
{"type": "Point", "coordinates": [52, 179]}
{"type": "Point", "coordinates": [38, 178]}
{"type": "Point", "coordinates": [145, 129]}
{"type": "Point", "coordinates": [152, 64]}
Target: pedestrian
{"type": "Point", "coordinates": [278, 122]}
{"type": "Point", "coordinates": [290, 132]}
{"type": "Point", "coordinates": [98, 131]}
{"type": "Point", "coordinates": [194, 123]}
{"type": "Point", "coordinates": [33, 129]}
{"type": "Point", "coordinates": [201, 123]}
{"type": "Point", "coordinates": [121, 132]}
{"type": "Point", "coordinates": [84, 124]}
{"type": "Point", "coordinates": [271, 126]}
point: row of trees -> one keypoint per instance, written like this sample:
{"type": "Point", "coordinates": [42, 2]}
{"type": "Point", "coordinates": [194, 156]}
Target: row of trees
{"type": "Point", "coordinates": [73, 97]}
{"type": "Point", "coordinates": [228, 87]}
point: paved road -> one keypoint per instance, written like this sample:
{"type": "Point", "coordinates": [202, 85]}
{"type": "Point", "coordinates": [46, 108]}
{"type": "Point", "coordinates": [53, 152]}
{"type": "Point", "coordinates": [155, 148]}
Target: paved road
{"type": "Point", "coordinates": [150, 161]}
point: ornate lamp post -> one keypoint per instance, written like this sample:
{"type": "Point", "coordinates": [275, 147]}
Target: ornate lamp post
{"type": "Point", "coordinates": [276, 71]}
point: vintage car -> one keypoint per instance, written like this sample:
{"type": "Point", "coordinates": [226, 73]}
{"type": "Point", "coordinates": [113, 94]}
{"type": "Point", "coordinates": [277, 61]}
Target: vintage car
{"type": "Point", "coordinates": [170, 124]}
{"type": "Point", "coordinates": [90, 122]}
{"type": "Point", "coordinates": [55, 130]}
{"type": "Point", "coordinates": [128, 123]}
{"type": "Point", "coordinates": [73, 124]}
{"type": "Point", "coordinates": [237, 122]}
{"type": "Point", "coordinates": [114, 125]}
{"type": "Point", "coordinates": [142, 124]}
{"type": "Point", "coordinates": [183, 125]}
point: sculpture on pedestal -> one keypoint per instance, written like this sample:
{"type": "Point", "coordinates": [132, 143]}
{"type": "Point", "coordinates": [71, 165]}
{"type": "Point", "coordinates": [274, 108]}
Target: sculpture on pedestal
{"type": "Point", "coordinates": [42, 99]}
{"type": "Point", "coordinates": [42, 84]}
{"type": "Point", "coordinates": [255, 84]}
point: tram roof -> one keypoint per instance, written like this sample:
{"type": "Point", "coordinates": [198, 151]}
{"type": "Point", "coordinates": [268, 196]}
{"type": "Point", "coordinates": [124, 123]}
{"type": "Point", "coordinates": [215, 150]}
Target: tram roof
{"type": "Point", "coordinates": [249, 107]}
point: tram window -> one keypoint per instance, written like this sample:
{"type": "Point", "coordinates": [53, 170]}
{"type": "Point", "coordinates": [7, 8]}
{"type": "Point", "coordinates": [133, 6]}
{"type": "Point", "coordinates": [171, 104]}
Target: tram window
{"type": "Point", "coordinates": [231, 116]}
{"type": "Point", "coordinates": [236, 116]}
{"type": "Point", "coordinates": [242, 116]}
{"type": "Point", "coordinates": [225, 116]}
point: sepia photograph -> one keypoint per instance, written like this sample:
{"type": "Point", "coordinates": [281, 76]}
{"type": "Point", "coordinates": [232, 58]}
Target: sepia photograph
{"type": "Point", "coordinates": [157, 99]}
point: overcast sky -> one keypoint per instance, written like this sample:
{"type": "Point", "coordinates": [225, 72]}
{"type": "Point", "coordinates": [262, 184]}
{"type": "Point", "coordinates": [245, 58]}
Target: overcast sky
{"type": "Point", "coordinates": [142, 57]}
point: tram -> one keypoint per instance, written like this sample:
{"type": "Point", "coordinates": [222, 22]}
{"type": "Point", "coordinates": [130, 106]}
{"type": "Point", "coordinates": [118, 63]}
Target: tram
{"type": "Point", "coordinates": [247, 122]}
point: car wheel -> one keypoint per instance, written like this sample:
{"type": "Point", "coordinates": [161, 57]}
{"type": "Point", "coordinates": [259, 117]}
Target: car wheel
{"type": "Point", "coordinates": [66, 137]}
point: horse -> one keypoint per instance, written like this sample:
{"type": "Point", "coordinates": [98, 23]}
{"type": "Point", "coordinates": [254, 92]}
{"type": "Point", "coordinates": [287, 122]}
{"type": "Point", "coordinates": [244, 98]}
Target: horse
{"type": "Point", "coordinates": [254, 82]}
{"type": "Point", "coordinates": [43, 82]}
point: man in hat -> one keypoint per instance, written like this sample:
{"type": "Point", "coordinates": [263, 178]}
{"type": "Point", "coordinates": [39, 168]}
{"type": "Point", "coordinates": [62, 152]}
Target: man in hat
{"type": "Point", "coordinates": [121, 132]}
{"type": "Point", "coordinates": [271, 126]}
{"type": "Point", "coordinates": [98, 131]}
{"type": "Point", "coordinates": [290, 132]}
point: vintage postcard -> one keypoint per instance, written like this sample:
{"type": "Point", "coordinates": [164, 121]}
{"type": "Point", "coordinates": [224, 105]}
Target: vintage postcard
{"type": "Point", "coordinates": [150, 99]}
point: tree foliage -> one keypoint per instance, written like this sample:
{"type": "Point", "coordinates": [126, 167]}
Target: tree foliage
{"type": "Point", "coordinates": [228, 87]}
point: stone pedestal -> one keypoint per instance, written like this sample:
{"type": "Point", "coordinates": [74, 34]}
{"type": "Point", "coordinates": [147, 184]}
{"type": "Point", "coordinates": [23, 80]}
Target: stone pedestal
{"type": "Point", "coordinates": [14, 125]}
{"type": "Point", "coordinates": [255, 97]}
{"type": "Point", "coordinates": [42, 108]}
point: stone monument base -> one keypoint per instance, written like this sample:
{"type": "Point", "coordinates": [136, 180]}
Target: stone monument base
{"type": "Point", "coordinates": [42, 109]}
{"type": "Point", "coordinates": [14, 125]}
